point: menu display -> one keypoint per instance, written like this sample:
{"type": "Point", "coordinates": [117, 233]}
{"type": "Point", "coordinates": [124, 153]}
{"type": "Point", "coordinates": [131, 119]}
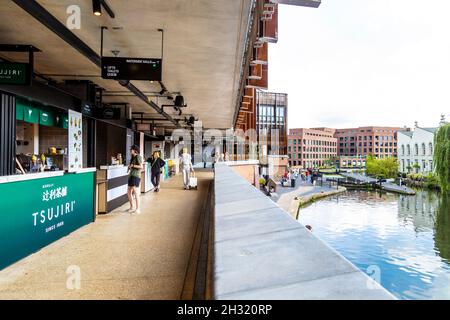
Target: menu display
{"type": "Point", "coordinates": [75, 141]}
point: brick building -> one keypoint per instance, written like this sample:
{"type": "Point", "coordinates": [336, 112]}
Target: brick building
{"type": "Point", "coordinates": [311, 147]}
{"type": "Point", "coordinates": [379, 141]}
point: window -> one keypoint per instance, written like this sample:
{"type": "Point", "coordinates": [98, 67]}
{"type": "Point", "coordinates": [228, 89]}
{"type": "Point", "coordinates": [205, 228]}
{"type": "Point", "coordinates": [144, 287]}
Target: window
{"type": "Point", "coordinates": [408, 150]}
{"type": "Point", "coordinates": [430, 149]}
{"type": "Point", "coordinates": [423, 149]}
{"type": "Point", "coordinates": [416, 149]}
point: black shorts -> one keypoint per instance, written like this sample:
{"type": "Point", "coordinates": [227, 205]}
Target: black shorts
{"type": "Point", "coordinates": [134, 181]}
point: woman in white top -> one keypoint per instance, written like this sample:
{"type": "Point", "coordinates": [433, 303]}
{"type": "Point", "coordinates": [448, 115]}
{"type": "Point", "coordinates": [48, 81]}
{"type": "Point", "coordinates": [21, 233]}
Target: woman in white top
{"type": "Point", "coordinates": [186, 167]}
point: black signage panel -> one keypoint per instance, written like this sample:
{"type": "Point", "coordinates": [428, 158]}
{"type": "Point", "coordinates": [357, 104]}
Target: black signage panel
{"type": "Point", "coordinates": [88, 110]}
{"type": "Point", "coordinates": [108, 113]}
{"type": "Point", "coordinates": [15, 73]}
{"type": "Point", "coordinates": [131, 69]}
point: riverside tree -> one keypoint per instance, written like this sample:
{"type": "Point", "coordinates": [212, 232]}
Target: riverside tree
{"type": "Point", "coordinates": [442, 156]}
{"type": "Point", "coordinates": [385, 168]}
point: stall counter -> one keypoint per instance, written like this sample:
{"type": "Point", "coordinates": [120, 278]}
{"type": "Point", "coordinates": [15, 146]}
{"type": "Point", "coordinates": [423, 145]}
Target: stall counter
{"type": "Point", "coordinates": [40, 208]}
{"type": "Point", "coordinates": [112, 184]}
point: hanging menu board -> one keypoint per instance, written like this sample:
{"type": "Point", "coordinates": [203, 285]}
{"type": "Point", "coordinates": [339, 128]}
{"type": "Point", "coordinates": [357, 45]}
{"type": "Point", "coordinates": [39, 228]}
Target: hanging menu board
{"type": "Point", "coordinates": [75, 141]}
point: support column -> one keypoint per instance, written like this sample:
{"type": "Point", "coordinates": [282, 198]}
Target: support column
{"type": "Point", "coordinates": [7, 134]}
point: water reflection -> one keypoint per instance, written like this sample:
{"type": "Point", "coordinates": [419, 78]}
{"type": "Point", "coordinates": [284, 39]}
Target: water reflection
{"type": "Point", "coordinates": [442, 227]}
{"type": "Point", "coordinates": [407, 237]}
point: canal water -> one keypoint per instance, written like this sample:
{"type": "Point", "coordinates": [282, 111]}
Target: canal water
{"type": "Point", "coordinates": [401, 241]}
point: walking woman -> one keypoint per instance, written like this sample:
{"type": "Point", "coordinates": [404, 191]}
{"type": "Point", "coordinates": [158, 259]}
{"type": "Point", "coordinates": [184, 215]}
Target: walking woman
{"type": "Point", "coordinates": [134, 180]}
{"type": "Point", "coordinates": [186, 167]}
{"type": "Point", "coordinates": [156, 164]}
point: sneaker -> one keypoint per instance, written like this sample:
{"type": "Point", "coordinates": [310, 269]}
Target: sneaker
{"type": "Point", "coordinates": [138, 211]}
{"type": "Point", "coordinates": [131, 210]}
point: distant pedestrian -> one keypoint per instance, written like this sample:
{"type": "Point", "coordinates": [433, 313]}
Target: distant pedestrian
{"type": "Point", "coordinates": [186, 167]}
{"type": "Point", "coordinates": [156, 164]}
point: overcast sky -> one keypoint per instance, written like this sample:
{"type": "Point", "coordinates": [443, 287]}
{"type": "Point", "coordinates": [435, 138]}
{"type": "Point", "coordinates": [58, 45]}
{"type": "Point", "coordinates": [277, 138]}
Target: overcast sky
{"type": "Point", "coordinates": [353, 63]}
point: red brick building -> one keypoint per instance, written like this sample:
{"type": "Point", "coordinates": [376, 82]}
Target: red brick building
{"type": "Point", "coordinates": [379, 141]}
{"type": "Point", "coordinates": [311, 147]}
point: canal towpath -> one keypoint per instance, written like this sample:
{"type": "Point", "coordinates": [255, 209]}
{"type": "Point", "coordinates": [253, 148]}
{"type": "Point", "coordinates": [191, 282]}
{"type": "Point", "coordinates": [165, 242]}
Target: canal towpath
{"type": "Point", "coordinates": [289, 199]}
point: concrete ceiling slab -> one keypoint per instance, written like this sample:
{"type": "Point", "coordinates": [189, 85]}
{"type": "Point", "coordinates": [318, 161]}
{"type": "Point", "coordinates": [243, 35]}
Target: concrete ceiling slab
{"type": "Point", "coordinates": [203, 47]}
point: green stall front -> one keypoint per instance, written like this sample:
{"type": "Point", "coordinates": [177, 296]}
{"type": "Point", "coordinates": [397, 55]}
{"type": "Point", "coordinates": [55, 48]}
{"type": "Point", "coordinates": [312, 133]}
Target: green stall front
{"type": "Point", "coordinates": [46, 188]}
{"type": "Point", "coordinates": [38, 209]}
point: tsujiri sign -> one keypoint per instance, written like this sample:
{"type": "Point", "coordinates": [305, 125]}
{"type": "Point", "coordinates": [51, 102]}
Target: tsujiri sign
{"type": "Point", "coordinates": [15, 73]}
{"type": "Point", "coordinates": [35, 213]}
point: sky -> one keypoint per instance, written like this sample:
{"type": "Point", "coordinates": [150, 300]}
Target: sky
{"type": "Point", "coordinates": [354, 63]}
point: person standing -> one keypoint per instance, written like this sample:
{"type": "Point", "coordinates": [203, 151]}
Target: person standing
{"type": "Point", "coordinates": [156, 164]}
{"type": "Point", "coordinates": [134, 180]}
{"type": "Point", "coordinates": [186, 167]}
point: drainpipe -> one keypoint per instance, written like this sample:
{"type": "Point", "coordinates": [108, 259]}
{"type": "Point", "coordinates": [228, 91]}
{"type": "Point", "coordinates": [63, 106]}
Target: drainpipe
{"type": "Point", "coordinates": [48, 20]}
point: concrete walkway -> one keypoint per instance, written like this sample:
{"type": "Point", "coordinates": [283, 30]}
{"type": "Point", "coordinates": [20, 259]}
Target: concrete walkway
{"type": "Point", "coordinates": [120, 256]}
{"type": "Point", "coordinates": [262, 253]}
{"type": "Point", "coordinates": [286, 195]}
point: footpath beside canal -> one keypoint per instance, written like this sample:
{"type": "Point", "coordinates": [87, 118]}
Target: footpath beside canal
{"type": "Point", "coordinates": [291, 199]}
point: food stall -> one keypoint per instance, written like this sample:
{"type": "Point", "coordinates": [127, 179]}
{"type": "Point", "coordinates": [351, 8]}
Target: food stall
{"type": "Point", "coordinates": [46, 192]}
{"type": "Point", "coordinates": [113, 153]}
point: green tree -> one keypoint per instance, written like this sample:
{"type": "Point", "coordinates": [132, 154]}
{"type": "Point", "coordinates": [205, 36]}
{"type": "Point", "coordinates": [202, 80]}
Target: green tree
{"type": "Point", "coordinates": [385, 168]}
{"type": "Point", "coordinates": [441, 156]}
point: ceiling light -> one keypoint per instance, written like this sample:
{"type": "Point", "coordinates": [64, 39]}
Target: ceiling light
{"type": "Point", "coordinates": [97, 7]}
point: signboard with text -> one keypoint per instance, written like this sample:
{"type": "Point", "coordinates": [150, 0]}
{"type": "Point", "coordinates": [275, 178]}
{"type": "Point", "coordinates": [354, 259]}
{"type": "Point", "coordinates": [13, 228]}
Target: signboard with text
{"type": "Point", "coordinates": [75, 141]}
{"type": "Point", "coordinates": [15, 73]}
{"type": "Point", "coordinates": [131, 69]}
{"type": "Point", "coordinates": [35, 213]}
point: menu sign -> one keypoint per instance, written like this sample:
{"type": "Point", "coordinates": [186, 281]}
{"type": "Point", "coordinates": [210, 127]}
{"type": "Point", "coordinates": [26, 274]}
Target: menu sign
{"type": "Point", "coordinates": [15, 73]}
{"type": "Point", "coordinates": [75, 141]}
{"type": "Point", "coordinates": [131, 69]}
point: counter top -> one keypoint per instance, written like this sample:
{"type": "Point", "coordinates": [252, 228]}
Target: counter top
{"type": "Point", "coordinates": [31, 176]}
{"type": "Point", "coordinates": [86, 170]}
{"type": "Point", "coordinates": [112, 167]}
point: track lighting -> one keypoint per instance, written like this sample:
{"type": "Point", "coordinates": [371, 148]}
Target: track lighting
{"type": "Point", "coordinates": [97, 7]}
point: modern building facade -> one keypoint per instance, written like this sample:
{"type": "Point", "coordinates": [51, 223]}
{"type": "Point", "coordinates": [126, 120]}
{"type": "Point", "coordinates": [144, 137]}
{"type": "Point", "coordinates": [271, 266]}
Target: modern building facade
{"type": "Point", "coordinates": [362, 141]}
{"type": "Point", "coordinates": [310, 148]}
{"type": "Point", "coordinates": [271, 121]}
{"type": "Point", "coordinates": [261, 30]}
{"type": "Point", "coordinates": [416, 148]}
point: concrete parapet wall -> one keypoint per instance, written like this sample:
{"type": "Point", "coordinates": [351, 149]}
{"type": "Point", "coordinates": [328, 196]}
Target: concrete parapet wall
{"type": "Point", "coordinates": [260, 252]}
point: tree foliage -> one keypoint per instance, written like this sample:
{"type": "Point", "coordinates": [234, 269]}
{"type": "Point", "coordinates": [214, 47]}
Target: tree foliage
{"type": "Point", "coordinates": [442, 156]}
{"type": "Point", "coordinates": [385, 168]}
